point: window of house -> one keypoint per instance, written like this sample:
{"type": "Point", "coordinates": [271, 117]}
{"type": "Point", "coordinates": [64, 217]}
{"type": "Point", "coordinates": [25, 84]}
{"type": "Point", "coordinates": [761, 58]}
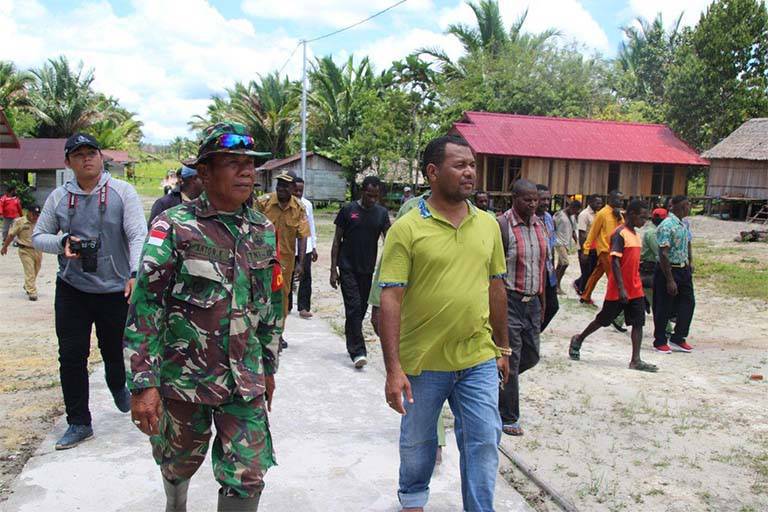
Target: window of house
{"type": "Point", "coordinates": [614, 173]}
{"type": "Point", "coordinates": [495, 180]}
{"type": "Point", "coordinates": [515, 172]}
{"type": "Point", "coordinates": [662, 180]}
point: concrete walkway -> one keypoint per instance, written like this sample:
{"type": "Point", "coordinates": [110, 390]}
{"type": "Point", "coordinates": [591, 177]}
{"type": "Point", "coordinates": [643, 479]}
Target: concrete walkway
{"type": "Point", "coordinates": [335, 438]}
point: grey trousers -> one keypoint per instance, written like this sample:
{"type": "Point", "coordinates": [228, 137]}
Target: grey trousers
{"type": "Point", "coordinates": [523, 325]}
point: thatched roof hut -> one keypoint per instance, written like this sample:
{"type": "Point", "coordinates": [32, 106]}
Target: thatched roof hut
{"type": "Point", "coordinates": [739, 163]}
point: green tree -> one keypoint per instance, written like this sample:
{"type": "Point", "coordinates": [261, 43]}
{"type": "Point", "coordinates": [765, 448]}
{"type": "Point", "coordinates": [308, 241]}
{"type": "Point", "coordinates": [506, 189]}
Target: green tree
{"type": "Point", "coordinates": [487, 37]}
{"type": "Point", "coordinates": [266, 107]}
{"type": "Point", "coordinates": [62, 99]}
{"type": "Point", "coordinates": [14, 85]}
{"type": "Point", "coordinates": [718, 78]}
{"type": "Point", "coordinates": [333, 99]}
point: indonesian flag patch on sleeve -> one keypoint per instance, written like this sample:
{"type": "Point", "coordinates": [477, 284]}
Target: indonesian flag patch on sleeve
{"type": "Point", "coordinates": [156, 236]}
{"type": "Point", "coordinates": [277, 277]}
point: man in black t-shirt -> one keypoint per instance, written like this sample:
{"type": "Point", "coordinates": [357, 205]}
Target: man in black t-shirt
{"type": "Point", "coordinates": [359, 225]}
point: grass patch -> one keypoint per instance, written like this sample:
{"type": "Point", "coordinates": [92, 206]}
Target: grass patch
{"type": "Point", "coordinates": [150, 174]}
{"type": "Point", "coordinates": [742, 277]}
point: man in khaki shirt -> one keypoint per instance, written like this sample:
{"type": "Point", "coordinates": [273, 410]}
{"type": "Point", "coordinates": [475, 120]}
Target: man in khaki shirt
{"type": "Point", "coordinates": [21, 230]}
{"type": "Point", "coordinates": [290, 220]}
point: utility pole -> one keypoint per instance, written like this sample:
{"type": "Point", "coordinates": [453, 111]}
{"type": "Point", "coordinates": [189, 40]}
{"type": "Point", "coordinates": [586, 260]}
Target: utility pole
{"type": "Point", "coordinates": [304, 111]}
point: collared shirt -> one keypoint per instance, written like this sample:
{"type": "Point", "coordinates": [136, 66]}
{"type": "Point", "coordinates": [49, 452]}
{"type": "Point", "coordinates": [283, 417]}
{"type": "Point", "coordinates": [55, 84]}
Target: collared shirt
{"type": "Point", "coordinates": [22, 229]}
{"type": "Point", "coordinates": [625, 245]}
{"type": "Point", "coordinates": [650, 250]}
{"type": "Point", "coordinates": [564, 229]}
{"type": "Point", "coordinates": [290, 222]}
{"type": "Point", "coordinates": [446, 271]}
{"type": "Point", "coordinates": [205, 315]}
{"type": "Point", "coordinates": [604, 225]}
{"type": "Point", "coordinates": [585, 219]}
{"type": "Point", "coordinates": [672, 233]}
{"type": "Point", "coordinates": [312, 240]}
{"type": "Point", "coordinates": [527, 254]}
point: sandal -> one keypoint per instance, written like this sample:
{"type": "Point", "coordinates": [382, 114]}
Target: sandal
{"type": "Point", "coordinates": [574, 348]}
{"type": "Point", "coordinates": [513, 429]}
{"type": "Point", "coordinates": [642, 366]}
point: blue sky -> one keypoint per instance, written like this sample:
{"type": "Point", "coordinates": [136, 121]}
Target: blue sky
{"type": "Point", "coordinates": [163, 59]}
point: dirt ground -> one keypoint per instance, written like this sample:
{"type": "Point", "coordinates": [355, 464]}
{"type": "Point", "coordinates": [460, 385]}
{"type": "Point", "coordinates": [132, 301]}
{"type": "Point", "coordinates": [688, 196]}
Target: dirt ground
{"type": "Point", "coordinates": [693, 437]}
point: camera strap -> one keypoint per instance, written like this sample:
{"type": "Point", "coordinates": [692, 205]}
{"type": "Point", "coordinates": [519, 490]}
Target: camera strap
{"type": "Point", "coordinates": [72, 208]}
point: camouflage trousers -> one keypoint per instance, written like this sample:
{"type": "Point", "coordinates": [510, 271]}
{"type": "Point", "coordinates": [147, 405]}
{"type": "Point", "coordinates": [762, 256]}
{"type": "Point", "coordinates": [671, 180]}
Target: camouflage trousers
{"type": "Point", "coordinates": [242, 449]}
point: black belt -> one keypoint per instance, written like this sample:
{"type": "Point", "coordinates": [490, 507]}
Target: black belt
{"type": "Point", "coordinates": [521, 296]}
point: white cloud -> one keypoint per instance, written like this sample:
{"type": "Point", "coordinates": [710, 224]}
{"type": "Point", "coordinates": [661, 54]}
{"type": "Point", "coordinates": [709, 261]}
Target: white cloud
{"type": "Point", "coordinates": [383, 51]}
{"type": "Point", "coordinates": [334, 13]}
{"type": "Point", "coordinates": [160, 61]}
{"type": "Point", "coordinates": [670, 9]}
{"type": "Point", "coordinates": [570, 17]}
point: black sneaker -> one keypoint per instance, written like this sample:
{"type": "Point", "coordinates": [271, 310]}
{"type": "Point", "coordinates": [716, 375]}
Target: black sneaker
{"type": "Point", "coordinates": [283, 343]}
{"type": "Point", "coordinates": [74, 435]}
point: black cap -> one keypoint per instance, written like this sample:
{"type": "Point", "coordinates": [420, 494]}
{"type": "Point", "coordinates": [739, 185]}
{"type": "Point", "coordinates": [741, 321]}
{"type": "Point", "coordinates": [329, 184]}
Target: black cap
{"type": "Point", "coordinates": [80, 139]}
{"type": "Point", "coordinates": [34, 209]}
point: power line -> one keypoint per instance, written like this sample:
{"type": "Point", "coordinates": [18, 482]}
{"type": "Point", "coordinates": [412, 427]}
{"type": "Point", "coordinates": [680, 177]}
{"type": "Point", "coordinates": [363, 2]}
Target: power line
{"type": "Point", "coordinates": [289, 58]}
{"type": "Point", "coordinates": [369, 18]}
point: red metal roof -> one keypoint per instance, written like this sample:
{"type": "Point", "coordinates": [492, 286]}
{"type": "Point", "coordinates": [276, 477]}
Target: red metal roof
{"type": "Point", "coordinates": [41, 154]}
{"type": "Point", "coordinates": [574, 139]}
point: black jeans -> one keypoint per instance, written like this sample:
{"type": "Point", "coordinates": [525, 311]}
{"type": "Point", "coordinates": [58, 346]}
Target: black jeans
{"type": "Point", "coordinates": [355, 289]}
{"type": "Point", "coordinates": [76, 313]}
{"type": "Point", "coordinates": [552, 305]}
{"type": "Point", "coordinates": [665, 306]}
{"type": "Point", "coordinates": [523, 320]}
{"type": "Point", "coordinates": [305, 286]}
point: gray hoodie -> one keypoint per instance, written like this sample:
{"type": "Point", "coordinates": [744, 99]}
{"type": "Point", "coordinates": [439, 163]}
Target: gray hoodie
{"type": "Point", "coordinates": [123, 230]}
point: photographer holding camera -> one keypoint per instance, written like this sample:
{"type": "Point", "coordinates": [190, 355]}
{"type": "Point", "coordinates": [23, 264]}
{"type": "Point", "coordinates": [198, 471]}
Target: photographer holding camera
{"type": "Point", "coordinates": [96, 225]}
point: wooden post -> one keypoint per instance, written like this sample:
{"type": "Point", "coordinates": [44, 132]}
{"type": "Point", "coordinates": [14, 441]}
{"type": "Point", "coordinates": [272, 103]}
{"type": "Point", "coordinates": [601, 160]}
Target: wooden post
{"type": "Point", "coordinates": [485, 172]}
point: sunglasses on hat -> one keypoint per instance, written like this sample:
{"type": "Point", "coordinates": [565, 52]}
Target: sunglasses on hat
{"type": "Point", "coordinates": [234, 141]}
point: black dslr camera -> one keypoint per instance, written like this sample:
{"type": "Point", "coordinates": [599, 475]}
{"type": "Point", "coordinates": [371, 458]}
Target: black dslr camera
{"type": "Point", "coordinates": [88, 250]}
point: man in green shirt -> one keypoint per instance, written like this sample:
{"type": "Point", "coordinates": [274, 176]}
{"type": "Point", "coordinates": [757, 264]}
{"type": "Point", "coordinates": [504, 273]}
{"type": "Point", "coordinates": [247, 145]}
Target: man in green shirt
{"type": "Point", "coordinates": [442, 298]}
{"type": "Point", "coordinates": [649, 255]}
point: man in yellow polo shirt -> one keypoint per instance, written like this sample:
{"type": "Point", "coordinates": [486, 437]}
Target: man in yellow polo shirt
{"type": "Point", "coordinates": [442, 298]}
{"type": "Point", "coordinates": [605, 223]}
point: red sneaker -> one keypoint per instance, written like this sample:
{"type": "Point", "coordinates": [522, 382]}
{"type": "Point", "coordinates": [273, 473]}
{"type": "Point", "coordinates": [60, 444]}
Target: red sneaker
{"type": "Point", "coordinates": [681, 347]}
{"type": "Point", "coordinates": [664, 349]}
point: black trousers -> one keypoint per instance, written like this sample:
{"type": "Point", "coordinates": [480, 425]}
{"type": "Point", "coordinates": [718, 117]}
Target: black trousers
{"type": "Point", "coordinates": [587, 265]}
{"type": "Point", "coordinates": [665, 306]}
{"type": "Point", "coordinates": [552, 306]}
{"type": "Point", "coordinates": [355, 289]}
{"type": "Point", "coordinates": [523, 319]}
{"type": "Point", "coordinates": [76, 313]}
{"type": "Point", "coordinates": [305, 286]}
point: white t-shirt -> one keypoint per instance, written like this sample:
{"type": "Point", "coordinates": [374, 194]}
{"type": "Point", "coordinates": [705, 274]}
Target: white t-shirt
{"type": "Point", "coordinates": [312, 239]}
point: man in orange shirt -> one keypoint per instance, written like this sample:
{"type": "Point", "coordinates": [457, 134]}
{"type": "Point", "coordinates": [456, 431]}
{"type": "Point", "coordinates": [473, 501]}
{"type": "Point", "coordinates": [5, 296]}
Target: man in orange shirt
{"type": "Point", "coordinates": [10, 207]}
{"type": "Point", "coordinates": [606, 222]}
{"type": "Point", "coordinates": [625, 288]}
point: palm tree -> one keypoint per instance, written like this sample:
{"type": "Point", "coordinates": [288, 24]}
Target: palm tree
{"type": "Point", "coordinates": [335, 97]}
{"type": "Point", "coordinates": [62, 99]}
{"type": "Point", "coordinates": [488, 37]}
{"type": "Point", "coordinates": [13, 85]}
{"type": "Point", "coordinates": [646, 56]}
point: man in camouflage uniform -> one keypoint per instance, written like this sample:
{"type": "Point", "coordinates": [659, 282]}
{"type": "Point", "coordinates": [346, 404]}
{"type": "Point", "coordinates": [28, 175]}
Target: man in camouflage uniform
{"type": "Point", "coordinates": [201, 341]}
{"type": "Point", "coordinates": [288, 215]}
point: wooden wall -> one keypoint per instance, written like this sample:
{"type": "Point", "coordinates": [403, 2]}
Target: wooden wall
{"type": "Point", "coordinates": [738, 178]}
{"type": "Point", "coordinates": [572, 177]}
{"type": "Point", "coordinates": [324, 181]}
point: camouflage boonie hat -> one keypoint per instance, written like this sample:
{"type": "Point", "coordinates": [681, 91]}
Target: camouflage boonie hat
{"type": "Point", "coordinates": [225, 137]}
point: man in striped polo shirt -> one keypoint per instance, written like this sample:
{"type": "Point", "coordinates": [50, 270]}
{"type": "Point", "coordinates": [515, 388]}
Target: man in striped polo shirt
{"type": "Point", "coordinates": [525, 244]}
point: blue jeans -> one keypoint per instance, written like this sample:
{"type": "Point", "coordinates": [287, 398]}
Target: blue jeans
{"type": "Point", "coordinates": [473, 395]}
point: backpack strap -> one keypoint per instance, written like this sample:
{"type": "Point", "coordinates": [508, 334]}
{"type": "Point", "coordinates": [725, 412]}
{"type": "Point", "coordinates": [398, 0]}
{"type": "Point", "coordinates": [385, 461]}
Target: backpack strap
{"type": "Point", "coordinates": [504, 227]}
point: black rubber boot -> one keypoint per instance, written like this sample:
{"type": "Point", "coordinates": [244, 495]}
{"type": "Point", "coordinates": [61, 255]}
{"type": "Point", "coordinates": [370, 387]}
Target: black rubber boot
{"type": "Point", "coordinates": [176, 496]}
{"type": "Point", "coordinates": [236, 504]}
